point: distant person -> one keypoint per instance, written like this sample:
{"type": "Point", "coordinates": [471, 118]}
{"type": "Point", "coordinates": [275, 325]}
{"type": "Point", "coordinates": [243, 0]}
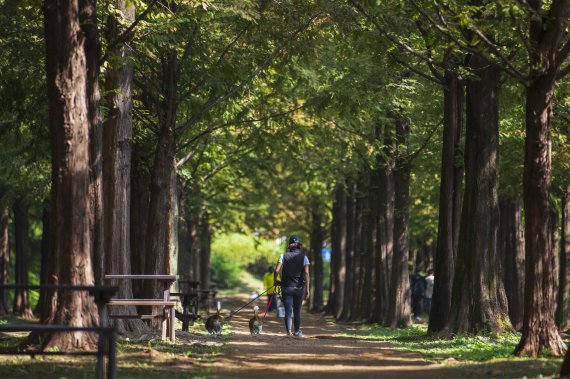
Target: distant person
{"type": "Point", "coordinates": [418, 292]}
{"type": "Point", "coordinates": [268, 284]}
{"type": "Point", "coordinates": [429, 290]}
{"type": "Point", "coordinates": [294, 283]}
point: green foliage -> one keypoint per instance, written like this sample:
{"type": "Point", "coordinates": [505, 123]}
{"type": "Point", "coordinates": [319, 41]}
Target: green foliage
{"type": "Point", "coordinates": [225, 272]}
{"type": "Point", "coordinates": [245, 250]}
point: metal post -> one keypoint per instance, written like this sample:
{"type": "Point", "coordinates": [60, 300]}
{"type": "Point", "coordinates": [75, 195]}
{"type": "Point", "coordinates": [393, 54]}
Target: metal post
{"type": "Point", "coordinates": [112, 362]}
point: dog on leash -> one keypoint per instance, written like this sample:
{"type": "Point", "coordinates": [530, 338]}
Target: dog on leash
{"type": "Point", "coordinates": [215, 324]}
{"type": "Point", "coordinates": [255, 323]}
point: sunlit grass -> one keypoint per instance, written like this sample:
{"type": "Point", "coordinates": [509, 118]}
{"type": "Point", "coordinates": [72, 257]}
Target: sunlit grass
{"type": "Point", "coordinates": [485, 347]}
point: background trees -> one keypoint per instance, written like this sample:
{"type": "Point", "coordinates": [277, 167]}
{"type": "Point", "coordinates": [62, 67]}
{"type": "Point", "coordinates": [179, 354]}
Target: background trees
{"type": "Point", "coordinates": [342, 122]}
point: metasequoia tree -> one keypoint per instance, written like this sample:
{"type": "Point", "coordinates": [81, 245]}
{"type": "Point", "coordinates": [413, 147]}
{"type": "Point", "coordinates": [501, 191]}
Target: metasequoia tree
{"type": "Point", "coordinates": [442, 70]}
{"type": "Point", "coordinates": [117, 136]}
{"type": "Point", "coordinates": [22, 248]}
{"type": "Point", "coordinates": [4, 259]}
{"type": "Point", "coordinates": [70, 257]}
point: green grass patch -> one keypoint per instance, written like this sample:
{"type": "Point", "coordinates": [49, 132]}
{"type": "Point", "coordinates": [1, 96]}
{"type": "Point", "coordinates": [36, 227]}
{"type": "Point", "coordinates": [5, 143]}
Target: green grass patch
{"type": "Point", "coordinates": [478, 348]}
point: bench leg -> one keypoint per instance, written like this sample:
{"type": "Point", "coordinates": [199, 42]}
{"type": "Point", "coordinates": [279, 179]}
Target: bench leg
{"type": "Point", "coordinates": [171, 320]}
{"type": "Point", "coordinates": [163, 324]}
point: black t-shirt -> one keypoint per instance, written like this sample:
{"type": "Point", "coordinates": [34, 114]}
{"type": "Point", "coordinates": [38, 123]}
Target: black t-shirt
{"type": "Point", "coordinates": [292, 274]}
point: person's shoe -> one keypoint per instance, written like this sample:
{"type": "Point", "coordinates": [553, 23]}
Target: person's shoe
{"type": "Point", "coordinates": [289, 334]}
{"type": "Point", "coordinates": [298, 333]}
{"type": "Point", "coordinates": [418, 319]}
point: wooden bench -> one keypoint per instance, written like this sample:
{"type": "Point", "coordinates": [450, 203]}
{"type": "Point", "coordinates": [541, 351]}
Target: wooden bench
{"type": "Point", "coordinates": [189, 298]}
{"type": "Point", "coordinates": [168, 305]}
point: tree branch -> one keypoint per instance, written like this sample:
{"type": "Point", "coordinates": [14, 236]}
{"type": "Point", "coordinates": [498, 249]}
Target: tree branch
{"type": "Point", "coordinates": [395, 41]}
{"type": "Point", "coordinates": [415, 154]}
{"type": "Point", "coordinates": [259, 69]}
{"type": "Point", "coordinates": [124, 35]}
{"type": "Point", "coordinates": [415, 70]}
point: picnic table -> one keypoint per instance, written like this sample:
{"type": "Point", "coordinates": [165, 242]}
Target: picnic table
{"type": "Point", "coordinates": [168, 305]}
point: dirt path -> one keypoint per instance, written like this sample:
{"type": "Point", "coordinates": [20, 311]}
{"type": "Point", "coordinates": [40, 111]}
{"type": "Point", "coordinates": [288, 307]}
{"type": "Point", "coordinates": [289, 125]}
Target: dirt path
{"type": "Point", "coordinates": [321, 353]}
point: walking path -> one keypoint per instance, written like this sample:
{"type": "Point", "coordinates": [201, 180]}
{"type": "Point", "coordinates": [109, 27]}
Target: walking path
{"type": "Point", "coordinates": [321, 353]}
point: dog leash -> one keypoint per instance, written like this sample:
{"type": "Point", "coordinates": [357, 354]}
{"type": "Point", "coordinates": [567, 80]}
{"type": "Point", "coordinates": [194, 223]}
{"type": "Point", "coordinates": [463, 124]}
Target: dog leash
{"type": "Point", "coordinates": [233, 313]}
{"type": "Point", "coordinates": [267, 309]}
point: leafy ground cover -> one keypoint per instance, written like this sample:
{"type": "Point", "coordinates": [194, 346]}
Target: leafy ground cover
{"type": "Point", "coordinates": [489, 350]}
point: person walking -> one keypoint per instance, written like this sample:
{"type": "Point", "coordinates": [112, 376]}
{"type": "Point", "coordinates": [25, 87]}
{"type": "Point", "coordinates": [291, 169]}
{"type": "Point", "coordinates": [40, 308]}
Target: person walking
{"type": "Point", "coordinates": [429, 290]}
{"type": "Point", "coordinates": [295, 280]}
{"type": "Point", "coordinates": [418, 292]}
{"type": "Point", "coordinates": [268, 284]}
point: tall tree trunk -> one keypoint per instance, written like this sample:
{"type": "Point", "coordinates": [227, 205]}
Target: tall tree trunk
{"type": "Point", "coordinates": [366, 256]}
{"type": "Point", "coordinates": [194, 241]}
{"type": "Point", "coordinates": [45, 252]}
{"type": "Point", "coordinates": [564, 290]}
{"type": "Point", "coordinates": [22, 249]}
{"type": "Point", "coordinates": [184, 243]}
{"type": "Point", "coordinates": [349, 254]}
{"type": "Point", "coordinates": [88, 19]}
{"type": "Point", "coordinates": [317, 256]}
{"type": "Point", "coordinates": [399, 311]}
{"type": "Point", "coordinates": [140, 197]}
{"type": "Point", "coordinates": [478, 300]}
{"type": "Point", "coordinates": [205, 252]}
{"type": "Point", "coordinates": [547, 32]}
{"type": "Point", "coordinates": [117, 135]}
{"type": "Point", "coordinates": [162, 218]}
{"type": "Point", "coordinates": [358, 244]}
{"type": "Point", "coordinates": [70, 260]}
{"type": "Point", "coordinates": [449, 202]}
{"type": "Point", "coordinates": [511, 240]}
{"type": "Point", "coordinates": [340, 251]}
{"type": "Point", "coordinates": [385, 230]}
{"type": "Point", "coordinates": [335, 256]}
{"type": "Point", "coordinates": [4, 260]}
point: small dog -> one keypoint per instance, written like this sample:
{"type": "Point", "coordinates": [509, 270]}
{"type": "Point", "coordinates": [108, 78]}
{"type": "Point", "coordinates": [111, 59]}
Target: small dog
{"type": "Point", "coordinates": [215, 324]}
{"type": "Point", "coordinates": [255, 324]}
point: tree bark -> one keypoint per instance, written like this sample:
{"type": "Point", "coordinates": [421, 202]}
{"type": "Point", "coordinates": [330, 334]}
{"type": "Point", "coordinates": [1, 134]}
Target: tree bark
{"type": "Point", "coordinates": [564, 289]}
{"type": "Point", "coordinates": [4, 260]}
{"type": "Point", "coordinates": [205, 252]}
{"type": "Point", "coordinates": [317, 256]}
{"type": "Point", "coordinates": [358, 245]}
{"type": "Point", "coordinates": [335, 256]}
{"type": "Point", "coordinates": [71, 212]}
{"type": "Point", "coordinates": [184, 244]}
{"type": "Point", "coordinates": [547, 32]}
{"type": "Point", "coordinates": [45, 252]}
{"type": "Point", "coordinates": [449, 202]}
{"type": "Point", "coordinates": [117, 135]}
{"type": "Point", "coordinates": [349, 254]}
{"type": "Point", "coordinates": [478, 300]}
{"type": "Point", "coordinates": [385, 229]}
{"type": "Point", "coordinates": [140, 197]}
{"type": "Point", "coordinates": [339, 249]}
{"type": "Point", "coordinates": [161, 245]}
{"type": "Point", "coordinates": [89, 22]}
{"type": "Point", "coordinates": [511, 241]}
{"type": "Point", "coordinates": [399, 310]}
{"type": "Point", "coordinates": [22, 248]}
{"type": "Point", "coordinates": [194, 241]}
{"type": "Point", "coordinates": [367, 256]}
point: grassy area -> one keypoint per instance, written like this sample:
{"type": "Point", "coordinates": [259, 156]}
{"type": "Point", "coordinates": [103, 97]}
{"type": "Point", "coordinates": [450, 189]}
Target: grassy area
{"type": "Point", "coordinates": [143, 357]}
{"type": "Point", "coordinates": [485, 350]}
